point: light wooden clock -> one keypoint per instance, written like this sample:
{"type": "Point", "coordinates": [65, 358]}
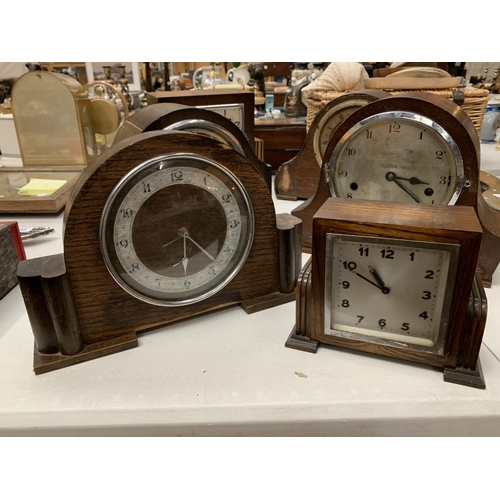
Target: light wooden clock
{"type": "Point", "coordinates": [163, 226]}
{"type": "Point", "coordinates": [396, 280]}
{"type": "Point", "coordinates": [413, 148]}
{"type": "Point", "coordinates": [201, 121]}
{"type": "Point", "coordinates": [298, 177]}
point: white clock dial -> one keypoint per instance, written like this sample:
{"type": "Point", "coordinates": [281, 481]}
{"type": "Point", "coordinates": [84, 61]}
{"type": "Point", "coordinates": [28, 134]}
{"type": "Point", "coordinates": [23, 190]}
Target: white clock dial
{"type": "Point", "coordinates": [330, 122]}
{"type": "Point", "coordinates": [396, 156]}
{"type": "Point", "coordinates": [177, 230]}
{"type": "Point", "coordinates": [388, 290]}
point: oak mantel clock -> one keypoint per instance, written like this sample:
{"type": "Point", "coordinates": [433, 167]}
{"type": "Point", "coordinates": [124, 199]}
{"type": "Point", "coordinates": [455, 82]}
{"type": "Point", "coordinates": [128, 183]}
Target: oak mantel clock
{"type": "Point", "coordinates": [395, 280]}
{"type": "Point", "coordinates": [414, 148]}
{"type": "Point", "coordinates": [205, 122]}
{"type": "Point", "coordinates": [162, 226]}
{"type": "Point", "coordinates": [298, 177]}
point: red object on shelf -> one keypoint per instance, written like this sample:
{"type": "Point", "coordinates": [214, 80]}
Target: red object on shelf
{"type": "Point", "coordinates": [16, 238]}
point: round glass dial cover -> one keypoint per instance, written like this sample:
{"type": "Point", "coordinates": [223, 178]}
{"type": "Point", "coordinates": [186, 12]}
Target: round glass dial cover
{"type": "Point", "coordinates": [176, 229]}
{"type": "Point", "coordinates": [397, 156]}
{"type": "Point", "coordinates": [389, 290]}
{"type": "Point", "coordinates": [208, 129]}
{"type": "Point", "coordinates": [329, 123]}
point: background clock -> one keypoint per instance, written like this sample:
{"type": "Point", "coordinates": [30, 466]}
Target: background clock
{"type": "Point", "coordinates": [298, 177]}
{"type": "Point", "coordinates": [205, 122]}
{"type": "Point", "coordinates": [395, 280]}
{"type": "Point", "coordinates": [162, 226]}
{"type": "Point", "coordinates": [413, 148]}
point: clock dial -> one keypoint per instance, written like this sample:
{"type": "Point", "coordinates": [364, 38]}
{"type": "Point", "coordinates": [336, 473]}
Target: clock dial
{"type": "Point", "coordinates": [388, 290]}
{"type": "Point", "coordinates": [396, 156]}
{"type": "Point", "coordinates": [176, 229]}
{"type": "Point", "coordinates": [330, 122]}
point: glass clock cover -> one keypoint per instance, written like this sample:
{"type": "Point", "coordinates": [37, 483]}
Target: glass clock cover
{"type": "Point", "coordinates": [176, 229]}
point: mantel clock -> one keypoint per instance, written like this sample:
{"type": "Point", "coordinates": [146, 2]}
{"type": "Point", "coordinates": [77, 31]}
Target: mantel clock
{"type": "Point", "coordinates": [395, 280]}
{"type": "Point", "coordinates": [163, 226]}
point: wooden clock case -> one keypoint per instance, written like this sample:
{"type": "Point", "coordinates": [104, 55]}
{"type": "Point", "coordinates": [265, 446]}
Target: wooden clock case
{"type": "Point", "coordinates": [460, 127]}
{"type": "Point", "coordinates": [440, 224]}
{"type": "Point", "coordinates": [162, 115]}
{"type": "Point", "coordinates": [212, 97]}
{"type": "Point", "coordinates": [78, 311]}
{"type": "Point", "coordinates": [298, 178]}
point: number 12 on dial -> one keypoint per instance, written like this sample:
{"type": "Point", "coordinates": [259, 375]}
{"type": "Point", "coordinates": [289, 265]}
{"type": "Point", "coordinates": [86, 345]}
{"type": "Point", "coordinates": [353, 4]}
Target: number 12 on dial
{"type": "Point", "coordinates": [388, 291]}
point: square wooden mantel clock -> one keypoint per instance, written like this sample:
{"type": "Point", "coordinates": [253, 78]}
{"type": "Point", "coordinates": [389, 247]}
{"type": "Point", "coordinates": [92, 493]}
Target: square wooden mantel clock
{"type": "Point", "coordinates": [395, 280]}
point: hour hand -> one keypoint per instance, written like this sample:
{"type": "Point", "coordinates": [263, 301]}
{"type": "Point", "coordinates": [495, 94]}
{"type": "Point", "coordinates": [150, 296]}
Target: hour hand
{"type": "Point", "coordinates": [378, 279]}
{"type": "Point", "coordinates": [384, 289]}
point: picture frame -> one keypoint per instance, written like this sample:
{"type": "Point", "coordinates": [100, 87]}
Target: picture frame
{"type": "Point", "coordinates": [95, 72]}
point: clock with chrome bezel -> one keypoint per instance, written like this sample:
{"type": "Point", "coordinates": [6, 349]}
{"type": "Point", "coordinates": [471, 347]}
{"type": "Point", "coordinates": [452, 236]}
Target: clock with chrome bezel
{"type": "Point", "coordinates": [395, 280]}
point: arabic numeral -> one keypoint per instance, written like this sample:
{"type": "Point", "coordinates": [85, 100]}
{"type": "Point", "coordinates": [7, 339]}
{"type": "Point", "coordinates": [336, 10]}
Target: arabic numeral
{"type": "Point", "coordinates": [369, 134]}
{"type": "Point", "coordinates": [211, 271]}
{"type": "Point", "coordinates": [439, 155]}
{"type": "Point", "coordinates": [187, 283]}
{"type": "Point", "coordinates": [126, 213]}
{"type": "Point", "coordinates": [429, 275]}
{"type": "Point", "coordinates": [387, 254]}
{"type": "Point", "coordinates": [226, 198]}
{"type": "Point", "coordinates": [228, 250]}
{"type": "Point", "coordinates": [382, 323]}
{"type": "Point", "coordinates": [158, 282]}
{"type": "Point", "coordinates": [345, 285]}
{"type": "Point", "coordinates": [363, 251]}
{"type": "Point", "coordinates": [427, 295]}
{"type": "Point", "coordinates": [123, 243]}
{"type": "Point", "coordinates": [177, 175]}
{"type": "Point", "coordinates": [135, 267]}
{"type": "Point", "coordinates": [351, 151]}
{"type": "Point", "coordinates": [345, 303]}
{"type": "Point", "coordinates": [234, 223]}
{"type": "Point", "coordinates": [405, 327]}
{"type": "Point", "coordinates": [395, 127]}
{"type": "Point", "coordinates": [146, 187]}
{"type": "Point", "coordinates": [360, 319]}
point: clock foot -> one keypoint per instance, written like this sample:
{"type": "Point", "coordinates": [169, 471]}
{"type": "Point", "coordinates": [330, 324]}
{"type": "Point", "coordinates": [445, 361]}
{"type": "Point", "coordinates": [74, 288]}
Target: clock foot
{"type": "Point", "coordinates": [470, 378]}
{"type": "Point", "coordinates": [44, 363]}
{"type": "Point", "coordinates": [266, 301]}
{"type": "Point", "coordinates": [301, 343]}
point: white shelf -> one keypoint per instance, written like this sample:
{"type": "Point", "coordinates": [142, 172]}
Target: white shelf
{"type": "Point", "coordinates": [228, 373]}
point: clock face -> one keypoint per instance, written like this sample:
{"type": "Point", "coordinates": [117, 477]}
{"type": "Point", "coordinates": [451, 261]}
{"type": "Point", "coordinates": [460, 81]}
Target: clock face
{"type": "Point", "coordinates": [233, 112]}
{"type": "Point", "coordinates": [330, 122]}
{"type": "Point", "coordinates": [176, 229]}
{"type": "Point", "coordinates": [389, 291]}
{"type": "Point", "coordinates": [208, 129]}
{"type": "Point", "coordinates": [397, 156]}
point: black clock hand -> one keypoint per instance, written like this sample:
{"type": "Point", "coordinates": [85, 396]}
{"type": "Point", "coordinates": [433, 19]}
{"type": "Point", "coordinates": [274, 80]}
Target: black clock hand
{"type": "Point", "coordinates": [392, 178]}
{"type": "Point", "coordinates": [412, 180]}
{"type": "Point", "coordinates": [370, 281]}
{"type": "Point", "coordinates": [379, 280]}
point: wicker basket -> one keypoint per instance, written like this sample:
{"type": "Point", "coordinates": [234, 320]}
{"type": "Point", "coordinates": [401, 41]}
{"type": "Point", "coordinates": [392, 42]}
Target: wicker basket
{"type": "Point", "coordinates": [475, 102]}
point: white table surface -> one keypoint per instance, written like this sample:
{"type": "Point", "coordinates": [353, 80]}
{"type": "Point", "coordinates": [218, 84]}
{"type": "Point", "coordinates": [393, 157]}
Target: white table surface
{"type": "Point", "coordinates": [228, 374]}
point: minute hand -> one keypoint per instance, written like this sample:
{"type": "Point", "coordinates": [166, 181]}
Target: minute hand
{"type": "Point", "coordinates": [391, 177]}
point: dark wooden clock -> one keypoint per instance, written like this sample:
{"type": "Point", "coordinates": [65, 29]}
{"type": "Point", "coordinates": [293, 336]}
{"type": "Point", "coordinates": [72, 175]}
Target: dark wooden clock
{"type": "Point", "coordinates": [298, 177]}
{"type": "Point", "coordinates": [234, 104]}
{"type": "Point", "coordinates": [205, 122]}
{"type": "Point", "coordinates": [395, 280]}
{"type": "Point", "coordinates": [414, 148]}
{"type": "Point", "coordinates": [162, 226]}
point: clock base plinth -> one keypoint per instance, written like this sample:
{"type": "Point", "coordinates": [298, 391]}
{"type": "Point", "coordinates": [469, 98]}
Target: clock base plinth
{"type": "Point", "coordinates": [274, 299]}
{"type": "Point", "coordinates": [44, 363]}
{"type": "Point", "coordinates": [301, 343]}
{"type": "Point", "coordinates": [470, 378]}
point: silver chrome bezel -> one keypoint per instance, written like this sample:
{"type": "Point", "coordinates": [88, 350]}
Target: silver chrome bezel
{"type": "Point", "coordinates": [224, 136]}
{"type": "Point", "coordinates": [454, 251]}
{"type": "Point", "coordinates": [406, 115]}
{"type": "Point", "coordinates": [129, 177]}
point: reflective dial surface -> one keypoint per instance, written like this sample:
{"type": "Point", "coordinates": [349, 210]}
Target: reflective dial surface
{"type": "Point", "coordinates": [400, 157]}
{"type": "Point", "coordinates": [388, 290]}
{"type": "Point", "coordinates": [177, 229]}
{"type": "Point", "coordinates": [330, 122]}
